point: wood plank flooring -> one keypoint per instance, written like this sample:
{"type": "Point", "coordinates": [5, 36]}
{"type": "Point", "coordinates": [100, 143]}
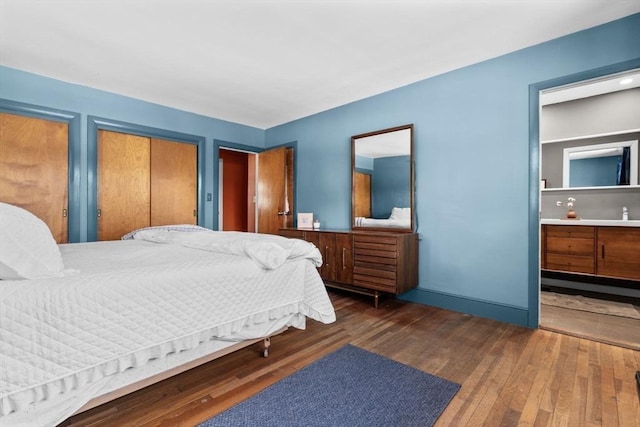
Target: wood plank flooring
{"type": "Point", "coordinates": [510, 375]}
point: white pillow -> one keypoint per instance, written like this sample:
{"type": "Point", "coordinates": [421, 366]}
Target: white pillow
{"type": "Point", "coordinates": [27, 248]}
{"type": "Point", "coordinates": [400, 213]}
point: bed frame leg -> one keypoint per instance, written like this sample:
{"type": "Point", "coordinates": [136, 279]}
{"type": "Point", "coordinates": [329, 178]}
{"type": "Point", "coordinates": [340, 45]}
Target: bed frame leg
{"type": "Point", "coordinates": [267, 344]}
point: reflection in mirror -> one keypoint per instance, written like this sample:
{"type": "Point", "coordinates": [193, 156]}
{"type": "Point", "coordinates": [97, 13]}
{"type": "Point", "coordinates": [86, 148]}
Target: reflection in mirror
{"type": "Point", "coordinates": [611, 164]}
{"type": "Point", "coordinates": [382, 179]}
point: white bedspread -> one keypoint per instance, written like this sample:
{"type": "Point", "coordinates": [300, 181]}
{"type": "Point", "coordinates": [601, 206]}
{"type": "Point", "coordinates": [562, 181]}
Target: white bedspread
{"type": "Point", "coordinates": [124, 303]}
{"type": "Point", "coordinates": [268, 251]}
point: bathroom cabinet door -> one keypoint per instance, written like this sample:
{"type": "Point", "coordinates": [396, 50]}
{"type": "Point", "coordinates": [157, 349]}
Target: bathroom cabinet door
{"type": "Point", "coordinates": [618, 252]}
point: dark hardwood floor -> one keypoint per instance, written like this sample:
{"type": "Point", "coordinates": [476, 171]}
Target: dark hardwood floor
{"type": "Point", "coordinates": [510, 375]}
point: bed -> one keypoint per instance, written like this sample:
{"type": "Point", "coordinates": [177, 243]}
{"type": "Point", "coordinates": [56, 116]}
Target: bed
{"type": "Point", "coordinates": [103, 318]}
{"type": "Point", "coordinates": [399, 218]}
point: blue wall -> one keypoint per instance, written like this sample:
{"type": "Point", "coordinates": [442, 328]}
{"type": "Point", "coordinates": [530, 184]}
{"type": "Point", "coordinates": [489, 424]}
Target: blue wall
{"type": "Point", "coordinates": [473, 162]}
{"type": "Point", "coordinates": [29, 88]}
{"type": "Point", "coordinates": [390, 185]}
{"type": "Point", "coordinates": [475, 169]}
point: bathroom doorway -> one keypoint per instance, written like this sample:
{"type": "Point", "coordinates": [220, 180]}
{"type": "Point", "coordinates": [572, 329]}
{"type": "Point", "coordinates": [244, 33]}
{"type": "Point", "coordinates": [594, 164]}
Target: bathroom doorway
{"type": "Point", "coordinates": [588, 116]}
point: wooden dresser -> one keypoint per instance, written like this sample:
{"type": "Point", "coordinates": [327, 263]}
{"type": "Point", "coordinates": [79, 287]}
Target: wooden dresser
{"type": "Point", "coordinates": [370, 263]}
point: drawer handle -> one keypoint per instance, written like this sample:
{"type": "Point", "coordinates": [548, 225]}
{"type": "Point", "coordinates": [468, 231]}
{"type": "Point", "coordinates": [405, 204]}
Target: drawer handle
{"type": "Point", "coordinates": [344, 250]}
{"type": "Point", "coordinates": [602, 251]}
{"type": "Point", "coordinates": [326, 255]}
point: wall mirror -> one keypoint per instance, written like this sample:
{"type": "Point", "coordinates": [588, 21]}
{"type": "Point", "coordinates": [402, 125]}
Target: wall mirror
{"type": "Point", "coordinates": [600, 165]}
{"type": "Point", "coordinates": [382, 185]}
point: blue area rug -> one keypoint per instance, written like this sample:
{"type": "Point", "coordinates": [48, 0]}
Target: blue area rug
{"type": "Point", "coordinates": [349, 387]}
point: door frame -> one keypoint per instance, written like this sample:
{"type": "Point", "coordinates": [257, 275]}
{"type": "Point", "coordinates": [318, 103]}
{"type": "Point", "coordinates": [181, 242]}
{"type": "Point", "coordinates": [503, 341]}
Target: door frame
{"type": "Point", "coordinates": [218, 144]}
{"type": "Point", "coordinates": [533, 320]}
{"type": "Point", "coordinates": [94, 124]}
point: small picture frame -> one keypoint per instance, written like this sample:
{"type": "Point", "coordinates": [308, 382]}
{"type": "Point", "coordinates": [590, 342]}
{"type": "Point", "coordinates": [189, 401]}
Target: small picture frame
{"type": "Point", "coordinates": [543, 183]}
{"type": "Point", "coordinates": [305, 220]}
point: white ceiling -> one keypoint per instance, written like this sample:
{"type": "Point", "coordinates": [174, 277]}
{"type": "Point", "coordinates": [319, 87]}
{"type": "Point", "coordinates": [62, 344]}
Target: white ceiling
{"type": "Point", "coordinates": [264, 63]}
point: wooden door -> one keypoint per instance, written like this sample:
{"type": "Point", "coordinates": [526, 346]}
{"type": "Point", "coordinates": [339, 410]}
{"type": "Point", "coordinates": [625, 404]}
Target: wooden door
{"type": "Point", "coordinates": [174, 182]}
{"type": "Point", "coordinates": [275, 189]}
{"type": "Point", "coordinates": [34, 171]}
{"type": "Point", "coordinates": [123, 184]}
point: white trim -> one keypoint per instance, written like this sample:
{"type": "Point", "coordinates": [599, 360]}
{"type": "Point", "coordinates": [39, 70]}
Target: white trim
{"type": "Point", "coordinates": [597, 135]}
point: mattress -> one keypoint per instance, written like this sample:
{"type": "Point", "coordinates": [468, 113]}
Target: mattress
{"type": "Point", "coordinates": [123, 304]}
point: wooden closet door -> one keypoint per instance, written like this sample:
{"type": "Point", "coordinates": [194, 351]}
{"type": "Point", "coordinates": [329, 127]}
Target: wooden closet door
{"type": "Point", "coordinates": [174, 182]}
{"type": "Point", "coordinates": [123, 184]}
{"type": "Point", "coordinates": [34, 171]}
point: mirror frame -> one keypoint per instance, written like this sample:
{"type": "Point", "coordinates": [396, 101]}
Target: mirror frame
{"type": "Point", "coordinates": [411, 180]}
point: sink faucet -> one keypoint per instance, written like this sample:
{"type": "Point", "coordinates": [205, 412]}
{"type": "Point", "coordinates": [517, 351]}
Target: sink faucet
{"type": "Point", "coordinates": [625, 213]}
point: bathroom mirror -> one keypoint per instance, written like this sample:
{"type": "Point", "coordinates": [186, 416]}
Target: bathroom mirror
{"type": "Point", "coordinates": [600, 165]}
{"type": "Point", "coordinates": [382, 185]}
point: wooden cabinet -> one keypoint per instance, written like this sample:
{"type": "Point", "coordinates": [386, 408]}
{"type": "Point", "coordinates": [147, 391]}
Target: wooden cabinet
{"type": "Point", "coordinates": [570, 248]}
{"type": "Point", "coordinates": [618, 252]}
{"type": "Point", "coordinates": [370, 263]}
{"type": "Point", "coordinates": [336, 248]}
{"type": "Point", "coordinates": [599, 251]}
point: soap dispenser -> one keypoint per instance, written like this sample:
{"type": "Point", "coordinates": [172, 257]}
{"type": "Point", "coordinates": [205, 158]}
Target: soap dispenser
{"type": "Point", "coordinates": [625, 213]}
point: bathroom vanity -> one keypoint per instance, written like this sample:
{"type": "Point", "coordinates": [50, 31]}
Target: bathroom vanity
{"type": "Point", "coordinates": [601, 248]}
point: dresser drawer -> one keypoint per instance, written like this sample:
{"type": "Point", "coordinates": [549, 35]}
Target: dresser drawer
{"type": "Point", "coordinates": [571, 231]}
{"type": "Point", "coordinates": [576, 264]}
{"type": "Point", "coordinates": [570, 246]}
{"type": "Point", "coordinates": [374, 279]}
{"type": "Point", "coordinates": [381, 250]}
{"type": "Point", "coordinates": [375, 262]}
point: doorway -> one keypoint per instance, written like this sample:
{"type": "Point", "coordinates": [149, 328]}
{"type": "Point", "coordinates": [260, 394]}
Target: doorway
{"type": "Point", "coordinates": [574, 297]}
{"type": "Point", "coordinates": [256, 190]}
{"type": "Point", "coordinates": [236, 190]}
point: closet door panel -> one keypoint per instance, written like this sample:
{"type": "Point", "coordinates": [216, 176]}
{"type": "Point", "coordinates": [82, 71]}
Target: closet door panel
{"type": "Point", "coordinates": [174, 178]}
{"type": "Point", "coordinates": [34, 170]}
{"type": "Point", "coordinates": [123, 184]}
